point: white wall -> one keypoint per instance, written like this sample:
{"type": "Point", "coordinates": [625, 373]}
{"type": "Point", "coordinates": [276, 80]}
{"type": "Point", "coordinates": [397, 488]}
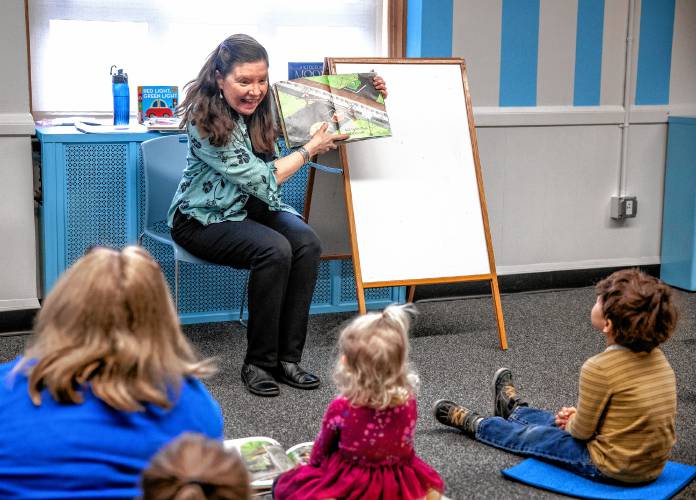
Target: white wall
{"type": "Point", "coordinates": [550, 170]}
{"type": "Point", "coordinates": [548, 191]}
{"type": "Point", "coordinates": [18, 286]}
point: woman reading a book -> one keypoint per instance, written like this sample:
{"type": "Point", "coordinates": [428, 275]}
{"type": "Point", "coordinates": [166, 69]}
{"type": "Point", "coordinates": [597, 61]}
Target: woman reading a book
{"type": "Point", "coordinates": [228, 208]}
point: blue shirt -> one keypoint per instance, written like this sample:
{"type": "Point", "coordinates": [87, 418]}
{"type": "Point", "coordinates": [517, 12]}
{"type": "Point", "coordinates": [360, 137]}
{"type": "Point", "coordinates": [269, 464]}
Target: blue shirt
{"type": "Point", "coordinates": [218, 181]}
{"type": "Point", "coordinates": [88, 450]}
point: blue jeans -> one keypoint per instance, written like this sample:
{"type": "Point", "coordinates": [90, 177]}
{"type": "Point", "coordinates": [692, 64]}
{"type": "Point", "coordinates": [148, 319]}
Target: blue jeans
{"type": "Point", "coordinates": [532, 432]}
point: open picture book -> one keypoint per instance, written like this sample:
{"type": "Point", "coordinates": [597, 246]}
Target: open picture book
{"type": "Point", "coordinates": [349, 103]}
{"type": "Point", "coordinates": [266, 459]}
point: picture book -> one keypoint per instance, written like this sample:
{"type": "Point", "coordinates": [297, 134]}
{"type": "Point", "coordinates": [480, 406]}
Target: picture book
{"type": "Point", "coordinates": [349, 103]}
{"type": "Point", "coordinates": [304, 69]}
{"type": "Point", "coordinates": [266, 459]}
{"type": "Point", "coordinates": [157, 102]}
{"type": "Point", "coordinates": [164, 124]}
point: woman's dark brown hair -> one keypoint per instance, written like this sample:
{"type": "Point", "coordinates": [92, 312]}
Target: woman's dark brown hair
{"type": "Point", "coordinates": [213, 117]}
{"type": "Point", "coordinates": [194, 467]}
{"type": "Point", "coordinates": [640, 309]}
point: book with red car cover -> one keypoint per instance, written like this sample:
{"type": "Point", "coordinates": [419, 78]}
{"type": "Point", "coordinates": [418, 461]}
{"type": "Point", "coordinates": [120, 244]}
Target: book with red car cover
{"type": "Point", "coordinates": [157, 101]}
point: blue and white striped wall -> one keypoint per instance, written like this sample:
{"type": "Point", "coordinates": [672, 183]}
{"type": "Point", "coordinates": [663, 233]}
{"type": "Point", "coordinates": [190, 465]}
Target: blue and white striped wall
{"type": "Point", "coordinates": [561, 52]}
{"type": "Point", "coordinates": [547, 84]}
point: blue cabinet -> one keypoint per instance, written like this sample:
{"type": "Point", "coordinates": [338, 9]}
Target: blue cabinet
{"type": "Point", "coordinates": [93, 194]}
{"type": "Point", "coordinates": [678, 254]}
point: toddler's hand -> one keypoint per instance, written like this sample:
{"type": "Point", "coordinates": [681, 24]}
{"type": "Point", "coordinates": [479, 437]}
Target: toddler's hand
{"type": "Point", "coordinates": [564, 415]}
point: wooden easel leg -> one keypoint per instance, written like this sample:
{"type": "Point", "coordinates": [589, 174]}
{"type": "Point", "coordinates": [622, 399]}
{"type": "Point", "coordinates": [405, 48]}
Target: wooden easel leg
{"type": "Point", "coordinates": [498, 308]}
{"type": "Point", "coordinates": [410, 293]}
{"type": "Point", "coordinates": [362, 308]}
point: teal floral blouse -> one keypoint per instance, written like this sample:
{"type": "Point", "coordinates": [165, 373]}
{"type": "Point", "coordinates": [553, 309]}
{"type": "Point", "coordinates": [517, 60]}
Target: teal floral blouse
{"type": "Point", "coordinates": [218, 181]}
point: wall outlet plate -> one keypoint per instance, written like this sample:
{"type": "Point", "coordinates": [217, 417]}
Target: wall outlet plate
{"type": "Point", "coordinates": [622, 207]}
{"type": "Point", "coordinates": [630, 204]}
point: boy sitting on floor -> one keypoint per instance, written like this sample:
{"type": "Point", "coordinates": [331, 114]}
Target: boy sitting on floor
{"type": "Point", "coordinates": [623, 427]}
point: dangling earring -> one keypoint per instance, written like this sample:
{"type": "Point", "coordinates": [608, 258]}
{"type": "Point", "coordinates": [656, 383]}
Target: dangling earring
{"type": "Point", "coordinates": [221, 96]}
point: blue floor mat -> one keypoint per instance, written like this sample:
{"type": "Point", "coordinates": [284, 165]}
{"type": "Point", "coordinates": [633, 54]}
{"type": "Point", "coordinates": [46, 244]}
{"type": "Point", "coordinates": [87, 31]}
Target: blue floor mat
{"type": "Point", "coordinates": [674, 477]}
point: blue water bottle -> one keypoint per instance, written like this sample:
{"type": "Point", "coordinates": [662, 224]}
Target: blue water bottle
{"type": "Point", "coordinates": [119, 83]}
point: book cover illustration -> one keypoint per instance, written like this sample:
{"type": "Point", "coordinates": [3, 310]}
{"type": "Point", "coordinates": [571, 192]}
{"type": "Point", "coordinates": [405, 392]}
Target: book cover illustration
{"type": "Point", "coordinates": [304, 69]}
{"type": "Point", "coordinates": [349, 103]}
{"type": "Point", "coordinates": [300, 453]}
{"type": "Point", "coordinates": [157, 102]}
{"type": "Point", "coordinates": [265, 458]}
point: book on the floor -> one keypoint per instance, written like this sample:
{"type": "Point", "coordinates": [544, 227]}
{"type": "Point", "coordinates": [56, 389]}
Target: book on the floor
{"type": "Point", "coordinates": [265, 458]}
{"type": "Point", "coordinates": [349, 103]}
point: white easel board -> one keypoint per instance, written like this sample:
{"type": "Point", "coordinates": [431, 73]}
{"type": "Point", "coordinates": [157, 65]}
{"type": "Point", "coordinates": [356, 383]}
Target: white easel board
{"type": "Point", "coordinates": [415, 202]}
{"type": "Point", "coordinates": [415, 197]}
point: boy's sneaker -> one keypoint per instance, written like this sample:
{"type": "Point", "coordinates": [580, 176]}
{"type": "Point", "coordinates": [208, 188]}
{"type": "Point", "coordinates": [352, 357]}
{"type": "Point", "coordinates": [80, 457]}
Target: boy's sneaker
{"type": "Point", "coordinates": [505, 397]}
{"type": "Point", "coordinates": [454, 415]}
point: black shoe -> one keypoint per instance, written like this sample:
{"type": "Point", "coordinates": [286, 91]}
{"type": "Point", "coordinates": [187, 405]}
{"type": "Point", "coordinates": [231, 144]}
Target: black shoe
{"type": "Point", "coordinates": [258, 381]}
{"type": "Point", "coordinates": [450, 413]}
{"type": "Point", "coordinates": [505, 397]}
{"type": "Point", "coordinates": [293, 375]}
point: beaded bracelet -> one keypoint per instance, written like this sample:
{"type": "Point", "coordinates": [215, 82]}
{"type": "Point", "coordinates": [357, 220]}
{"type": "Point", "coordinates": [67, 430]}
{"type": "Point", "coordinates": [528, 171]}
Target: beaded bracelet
{"type": "Point", "coordinates": [305, 154]}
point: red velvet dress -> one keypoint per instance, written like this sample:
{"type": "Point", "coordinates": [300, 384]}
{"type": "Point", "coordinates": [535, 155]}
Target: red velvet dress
{"type": "Point", "coordinates": [362, 453]}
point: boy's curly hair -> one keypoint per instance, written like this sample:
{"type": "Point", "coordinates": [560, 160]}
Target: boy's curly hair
{"type": "Point", "coordinates": [640, 308]}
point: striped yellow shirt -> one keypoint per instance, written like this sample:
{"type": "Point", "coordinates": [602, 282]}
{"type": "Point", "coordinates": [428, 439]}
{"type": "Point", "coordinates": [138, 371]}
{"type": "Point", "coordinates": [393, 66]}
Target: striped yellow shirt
{"type": "Point", "coordinates": [626, 411]}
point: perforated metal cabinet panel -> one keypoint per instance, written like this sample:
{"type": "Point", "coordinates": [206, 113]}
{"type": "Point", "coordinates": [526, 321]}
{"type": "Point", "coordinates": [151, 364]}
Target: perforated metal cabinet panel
{"type": "Point", "coordinates": [88, 186]}
{"type": "Point", "coordinates": [95, 201]}
{"type": "Point", "coordinates": [93, 183]}
{"type": "Point", "coordinates": [372, 295]}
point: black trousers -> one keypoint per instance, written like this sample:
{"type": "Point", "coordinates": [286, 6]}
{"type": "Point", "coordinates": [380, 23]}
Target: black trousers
{"type": "Point", "coordinates": [282, 253]}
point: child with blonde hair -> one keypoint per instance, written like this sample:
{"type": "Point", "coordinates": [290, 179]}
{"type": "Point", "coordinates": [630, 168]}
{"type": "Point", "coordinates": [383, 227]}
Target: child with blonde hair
{"type": "Point", "coordinates": [106, 380]}
{"type": "Point", "coordinates": [194, 467]}
{"type": "Point", "coordinates": [365, 446]}
{"type": "Point", "coordinates": [623, 426]}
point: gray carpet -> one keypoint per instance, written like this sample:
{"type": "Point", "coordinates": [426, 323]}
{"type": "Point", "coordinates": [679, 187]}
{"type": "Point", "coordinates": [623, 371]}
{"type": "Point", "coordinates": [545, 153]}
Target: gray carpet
{"type": "Point", "coordinates": [455, 350]}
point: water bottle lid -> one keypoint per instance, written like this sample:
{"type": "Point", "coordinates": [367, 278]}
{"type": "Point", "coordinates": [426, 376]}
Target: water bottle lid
{"type": "Point", "coordinates": [119, 76]}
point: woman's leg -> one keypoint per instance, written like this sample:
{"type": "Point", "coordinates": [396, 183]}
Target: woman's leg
{"type": "Point", "coordinates": [533, 432]}
{"type": "Point", "coordinates": [306, 250]}
{"type": "Point", "coordinates": [247, 244]}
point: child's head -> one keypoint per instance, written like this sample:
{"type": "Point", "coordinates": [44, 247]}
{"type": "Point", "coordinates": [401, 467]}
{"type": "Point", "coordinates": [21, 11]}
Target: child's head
{"type": "Point", "coordinates": [110, 322]}
{"type": "Point", "coordinates": [194, 467]}
{"type": "Point", "coordinates": [373, 369]}
{"type": "Point", "coordinates": [638, 309]}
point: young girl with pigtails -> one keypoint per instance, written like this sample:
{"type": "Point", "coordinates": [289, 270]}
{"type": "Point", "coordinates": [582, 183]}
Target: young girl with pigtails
{"type": "Point", "coordinates": [365, 446]}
